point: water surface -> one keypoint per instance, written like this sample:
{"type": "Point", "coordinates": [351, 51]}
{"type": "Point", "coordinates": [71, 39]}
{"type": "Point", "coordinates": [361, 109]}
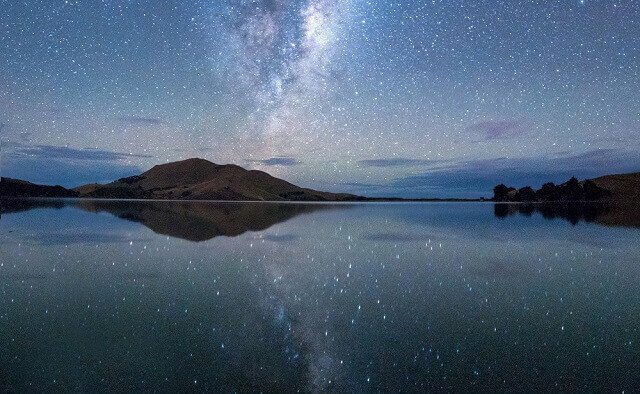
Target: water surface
{"type": "Point", "coordinates": [99, 295]}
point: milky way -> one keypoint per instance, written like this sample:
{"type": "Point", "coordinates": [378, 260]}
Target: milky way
{"type": "Point", "coordinates": [280, 54]}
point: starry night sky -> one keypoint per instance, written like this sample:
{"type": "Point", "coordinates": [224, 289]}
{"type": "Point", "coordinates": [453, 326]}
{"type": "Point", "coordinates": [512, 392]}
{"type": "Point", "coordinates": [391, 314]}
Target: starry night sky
{"type": "Point", "coordinates": [404, 98]}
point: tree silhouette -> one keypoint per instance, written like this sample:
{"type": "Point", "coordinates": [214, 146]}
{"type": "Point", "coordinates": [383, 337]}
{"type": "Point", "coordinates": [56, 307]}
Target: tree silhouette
{"type": "Point", "coordinates": [572, 190]}
{"type": "Point", "coordinates": [501, 192]}
{"type": "Point", "coordinates": [526, 194]}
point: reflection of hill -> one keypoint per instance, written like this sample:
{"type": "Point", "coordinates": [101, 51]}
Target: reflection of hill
{"type": "Point", "coordinates": [17, 188]}
{"type": "Point", "coordinates": [605, 213]}
{"type": "Point", "coordinates": [201, 221]}
{"type": "Point", "coordinates": [11, 205]}
{"type": "Point", "coordinates": [621, 214]}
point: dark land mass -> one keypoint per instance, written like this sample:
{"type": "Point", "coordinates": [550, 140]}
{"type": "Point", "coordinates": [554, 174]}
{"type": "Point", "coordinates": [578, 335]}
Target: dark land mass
{"type": "Point", "coordinates": [202, 180]}
{"type": "Point", "coordinates": [622, 186]}
{"type": "Point", "coordinates": [611, 200]}
{"type": "Point", "coordinates": [17, 188]}
{"type": "Point", "coordinates": [198, 179]}
{"type": "Point", "coordinates": [192, 179]}
{"type": "Point", "coordinates": [572, 190]}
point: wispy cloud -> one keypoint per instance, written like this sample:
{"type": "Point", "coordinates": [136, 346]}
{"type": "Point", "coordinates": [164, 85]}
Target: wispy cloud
{"type": "Point", "coordinates": [501, 129]}
{"type": "Point", "coordinates": [277, 161]}
{"type": "Point", "coordinates": [72, 154]}
{"type": "Point", "coordinates": [397, 162]}
{"type": "Point", "coordinates": [141, 120]}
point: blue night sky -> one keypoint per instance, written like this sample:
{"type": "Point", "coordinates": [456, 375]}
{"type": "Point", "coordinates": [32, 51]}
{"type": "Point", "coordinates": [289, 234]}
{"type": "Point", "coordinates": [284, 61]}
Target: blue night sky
{"type": "Point", "coordinates": [403, 98]}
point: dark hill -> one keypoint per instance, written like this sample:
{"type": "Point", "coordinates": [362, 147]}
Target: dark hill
{"type": "Point", "coordinates": [16, 188]}
{"type": "Point", "coordinates": [622, 186]}
{"type": "Point", "coordinates": [198, 179]}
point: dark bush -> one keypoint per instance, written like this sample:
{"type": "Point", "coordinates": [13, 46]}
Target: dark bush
{"type": "Point", "coordinates": [593, 191]}
{"type": "Point", "coordinates": [572, 190]}
{"type": "Point", "coordinates": [501, 192]}
{"type": "Point", "coordinates": [548, 192]}
{"type": "Point", "coordinates": [526, 194]}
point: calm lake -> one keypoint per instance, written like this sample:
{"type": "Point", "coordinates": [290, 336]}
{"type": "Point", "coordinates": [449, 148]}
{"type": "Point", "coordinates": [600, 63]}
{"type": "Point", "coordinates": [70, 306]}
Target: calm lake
{"type": "Point", "coordinates": [99, 295]}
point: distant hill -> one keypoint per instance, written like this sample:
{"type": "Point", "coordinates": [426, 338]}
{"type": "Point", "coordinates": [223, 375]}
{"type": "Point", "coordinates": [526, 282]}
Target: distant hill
{"type": "Point", "coordinates": [198, 179]}
{"type": "Point", "coordinates": [87, 189]}
{"type": "Point", "coordinates": [622, 186]}
{"type": "Point", "coordinates": [16, 188]}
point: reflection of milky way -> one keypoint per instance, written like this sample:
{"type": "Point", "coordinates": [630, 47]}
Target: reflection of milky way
{"type": "Point", "coordinates": [287, 329]}
{"type": "Point", "coordinates": [281, 53]}
{"type": "Point", "coordinates": [306, 319]}
{"type": "Point", "coordinates": [290, 321]}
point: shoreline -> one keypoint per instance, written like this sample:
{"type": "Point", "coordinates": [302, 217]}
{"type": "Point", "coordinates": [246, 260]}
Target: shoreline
{"type": "Point", "coordinates": [364, 201]}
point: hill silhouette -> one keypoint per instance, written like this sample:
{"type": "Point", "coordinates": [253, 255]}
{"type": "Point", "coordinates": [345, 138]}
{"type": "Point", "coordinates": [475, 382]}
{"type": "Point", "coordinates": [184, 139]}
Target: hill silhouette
{"type": "Point", "coordinates": [622, 186]}
{"type": "Point", "coordinates": [199, 179]}
{"type": "Point", "coordinates": [17, 188]}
